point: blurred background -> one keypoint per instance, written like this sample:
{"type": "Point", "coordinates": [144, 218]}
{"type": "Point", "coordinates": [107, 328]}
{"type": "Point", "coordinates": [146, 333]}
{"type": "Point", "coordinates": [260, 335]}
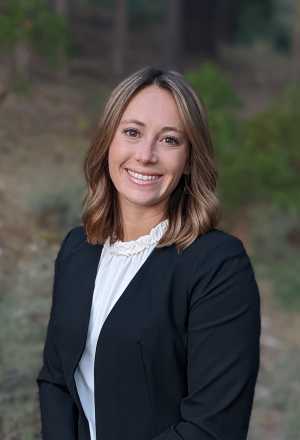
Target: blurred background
{"type": "Point", "coordinates": [59, 60]}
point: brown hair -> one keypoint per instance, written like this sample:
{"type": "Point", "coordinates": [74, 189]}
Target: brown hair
{"type": "Point", "coordinates": [193, 207]}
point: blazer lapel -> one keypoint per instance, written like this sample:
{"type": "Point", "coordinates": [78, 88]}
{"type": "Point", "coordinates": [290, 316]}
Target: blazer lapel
{"type": "Point", "coordinates": [79, 277]}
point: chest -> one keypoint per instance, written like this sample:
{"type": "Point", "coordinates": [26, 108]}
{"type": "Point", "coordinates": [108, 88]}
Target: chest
{"type": "Point", "coordinates": [151, 308]}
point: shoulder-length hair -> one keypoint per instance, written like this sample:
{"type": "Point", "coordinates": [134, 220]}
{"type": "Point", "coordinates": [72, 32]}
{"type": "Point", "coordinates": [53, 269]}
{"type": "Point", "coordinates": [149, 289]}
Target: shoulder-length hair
{"type": "Point", "coordinates": [193, 207]}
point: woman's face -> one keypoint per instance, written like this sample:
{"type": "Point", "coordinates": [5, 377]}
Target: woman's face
{"type": "Point", "coordinates": [149, 151]}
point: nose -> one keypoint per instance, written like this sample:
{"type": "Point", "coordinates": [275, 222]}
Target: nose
{"type": "Point", "coordinates": [146, 152]}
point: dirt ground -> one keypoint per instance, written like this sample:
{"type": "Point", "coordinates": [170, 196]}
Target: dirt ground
{"type": "Point", "coordinates": [43, 137]}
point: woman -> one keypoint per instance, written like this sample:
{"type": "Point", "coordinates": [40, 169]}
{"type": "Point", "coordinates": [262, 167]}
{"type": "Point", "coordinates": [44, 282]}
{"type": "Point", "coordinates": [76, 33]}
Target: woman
{"type": "Point", "coordinates": [154, 330]}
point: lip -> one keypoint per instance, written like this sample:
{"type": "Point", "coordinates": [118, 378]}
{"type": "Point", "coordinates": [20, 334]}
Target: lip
{"type": "Point", "coordinates": [142, 172]}
{"type": "Point", "coordinates": [143, 183]}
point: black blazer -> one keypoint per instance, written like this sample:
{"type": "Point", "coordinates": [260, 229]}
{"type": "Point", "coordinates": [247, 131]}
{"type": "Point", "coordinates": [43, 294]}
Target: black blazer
{"type": "Point", "coordinates": [178, 355]}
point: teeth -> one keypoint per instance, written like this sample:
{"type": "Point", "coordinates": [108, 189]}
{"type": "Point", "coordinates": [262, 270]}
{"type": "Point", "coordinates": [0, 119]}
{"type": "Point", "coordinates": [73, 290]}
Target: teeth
{"type": "Point", "coordinates": [142, 176]}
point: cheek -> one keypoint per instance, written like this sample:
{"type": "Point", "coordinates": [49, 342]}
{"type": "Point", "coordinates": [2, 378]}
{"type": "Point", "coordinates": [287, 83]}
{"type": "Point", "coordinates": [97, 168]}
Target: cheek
{"type": "Point", "coordinates": [117, 152]}
{"type": "Point", "coordinates": [114, 156]}
{"type": "Point", "coordinates": [113, 160]}
{"type": "Point", "coordinates": [176, 162]}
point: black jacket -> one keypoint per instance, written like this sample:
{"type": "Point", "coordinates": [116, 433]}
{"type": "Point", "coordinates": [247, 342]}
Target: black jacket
{"type": "Point", "coordinates": [178, 355]}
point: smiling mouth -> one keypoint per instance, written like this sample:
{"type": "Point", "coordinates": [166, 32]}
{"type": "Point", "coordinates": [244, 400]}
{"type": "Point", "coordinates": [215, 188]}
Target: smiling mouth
{"type": "Point", "coordinates": [143, 179]}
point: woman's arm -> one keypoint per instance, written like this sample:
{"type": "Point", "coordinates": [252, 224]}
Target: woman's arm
{"type": "Point", "coordinates": [59, 414]}
{"type": "Point", "coordinates": [224, 328]}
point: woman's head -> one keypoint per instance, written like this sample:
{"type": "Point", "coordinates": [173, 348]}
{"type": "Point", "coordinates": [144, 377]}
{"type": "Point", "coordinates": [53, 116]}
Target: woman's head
{"type": "Point", "coordinates": [148, 154]}
{"type": "Point", "coordinates": [153, 123]}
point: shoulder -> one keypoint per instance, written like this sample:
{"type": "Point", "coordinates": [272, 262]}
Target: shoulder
{"type": "Point", "coordinates": [220, 263]}
{"type": "Point", "coordinates": [216, 242]}
{"type": "Point", "coordinates": [216, 252]}
{"type": "Point", "coordinates": [74, 238]}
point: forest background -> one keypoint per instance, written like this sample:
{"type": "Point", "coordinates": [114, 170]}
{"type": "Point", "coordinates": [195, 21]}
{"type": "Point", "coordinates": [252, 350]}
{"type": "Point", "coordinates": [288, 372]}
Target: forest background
{"type": "Point", "coordinates": [59, 59]}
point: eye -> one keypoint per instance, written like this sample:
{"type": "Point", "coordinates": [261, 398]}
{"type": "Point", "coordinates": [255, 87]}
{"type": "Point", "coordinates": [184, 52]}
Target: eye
{"type": "Point", "coordinates": [171, 140]}
{"type": "Point", "coordinates": [131, 132]}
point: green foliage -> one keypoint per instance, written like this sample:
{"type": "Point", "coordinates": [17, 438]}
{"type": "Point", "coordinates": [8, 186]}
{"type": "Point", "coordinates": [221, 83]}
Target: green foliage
{"type": "Point", "coordinates": [211, 83]}
{"type": "Point", "coordinates": [33, 21]}
{"type": "Point", "coordinates": [255, 19]}
{"type": "Point", "coordinates": [219, 98]}
{"type": "Point", "coordinates": [265, 19]}
{"type": "Point", "coordinates": [258, 158]}
{"type": "Point", "coordinates": [140, 12]}
{"type": "Point", "coordinates": [55, 38]}
{"type": "Point", "coordinates": [271, 139]}
{"type": "Point", "coordinates": [221, 102]}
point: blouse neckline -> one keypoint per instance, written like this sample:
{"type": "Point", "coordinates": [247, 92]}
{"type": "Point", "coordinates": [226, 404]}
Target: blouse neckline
{"type": "Point", "coordinates": [132, 247]}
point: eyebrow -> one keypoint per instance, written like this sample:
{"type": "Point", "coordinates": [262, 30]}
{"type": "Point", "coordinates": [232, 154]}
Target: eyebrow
{"type": "Point", "coordinates": [141, 124]}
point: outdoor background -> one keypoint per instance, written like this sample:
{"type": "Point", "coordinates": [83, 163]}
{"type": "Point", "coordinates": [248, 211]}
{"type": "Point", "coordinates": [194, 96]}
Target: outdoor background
{"type": "Point", "coordinates": [59, 59]}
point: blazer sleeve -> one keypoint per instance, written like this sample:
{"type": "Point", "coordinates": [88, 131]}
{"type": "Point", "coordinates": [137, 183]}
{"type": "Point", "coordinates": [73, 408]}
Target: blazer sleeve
{"type": "Point", "coordinates": [59, 414]}
{"type": "Point", "coordinates": [223, 348]}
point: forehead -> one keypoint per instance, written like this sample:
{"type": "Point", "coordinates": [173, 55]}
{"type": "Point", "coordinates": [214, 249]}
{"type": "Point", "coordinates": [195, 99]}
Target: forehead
{"type": "Point", "coordinates": [153, 104]}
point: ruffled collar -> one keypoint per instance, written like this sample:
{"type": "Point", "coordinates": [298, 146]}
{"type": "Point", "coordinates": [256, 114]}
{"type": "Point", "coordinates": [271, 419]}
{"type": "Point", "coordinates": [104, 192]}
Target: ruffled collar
{"type": "Point", "coordinates": [135, 246]}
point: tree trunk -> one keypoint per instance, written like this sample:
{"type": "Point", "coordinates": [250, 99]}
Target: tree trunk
{"type": "Point", "coordinates": [199, 27]}
{"type": "Point", "coordinates": [208, 24]}
{"type": "Point", "coordinates": [61, 8]}
{"type": "Point", "coordinates": [172, 56]}
{"type": "Point", "coordinates": [226, 20]}
{"type": "Point", "coordinates": [296, 42]}
{"type": "Point", "coordinates": [119, 38]}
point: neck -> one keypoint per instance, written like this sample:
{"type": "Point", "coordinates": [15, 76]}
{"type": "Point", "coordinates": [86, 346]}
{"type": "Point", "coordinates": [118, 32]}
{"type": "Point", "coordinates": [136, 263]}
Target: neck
{"type": "Point", "coordinates": [135, 227]}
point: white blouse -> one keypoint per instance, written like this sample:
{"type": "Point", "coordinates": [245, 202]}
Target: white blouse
{"type": "Point", "coordinates": [118, 265]}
